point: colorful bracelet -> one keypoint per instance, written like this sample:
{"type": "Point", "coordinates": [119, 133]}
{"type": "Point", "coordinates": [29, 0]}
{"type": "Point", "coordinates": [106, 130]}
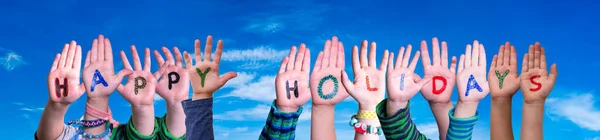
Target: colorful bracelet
{"type": "Point", "coordinates": [90, 136]}
{"type": "Point", "coordinates": [366, 114]}
{"type": "Point", "coordinates": [88, 123]}
{"type": "Point", "coordinates": [364, 128]}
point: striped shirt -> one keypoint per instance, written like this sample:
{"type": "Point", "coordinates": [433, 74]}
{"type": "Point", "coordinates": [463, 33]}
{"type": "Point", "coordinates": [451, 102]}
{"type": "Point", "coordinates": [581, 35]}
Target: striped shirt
{"type": "Point", "coordinates": [280, 125]}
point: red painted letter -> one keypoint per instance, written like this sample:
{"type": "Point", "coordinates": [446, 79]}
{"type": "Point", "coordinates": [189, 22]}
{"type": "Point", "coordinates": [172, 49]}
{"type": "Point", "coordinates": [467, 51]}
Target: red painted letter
{"type": "Point", "coordinates": [435, 78]}
{"type": "Point", "coordinates": [539, 86]}
{"type": "Point", "coordinates": [369, 86]}
{"type": "Point", "coordinates": [58, 87]}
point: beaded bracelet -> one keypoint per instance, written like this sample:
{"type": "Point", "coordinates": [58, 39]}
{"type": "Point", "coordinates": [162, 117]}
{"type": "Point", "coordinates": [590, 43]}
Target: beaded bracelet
{"type": "Point", "coordinates": [90, 136]}
{"type": "Point", "coordinates": [364, 128]}
{"type": "Point", "coordinates": [88, 123]}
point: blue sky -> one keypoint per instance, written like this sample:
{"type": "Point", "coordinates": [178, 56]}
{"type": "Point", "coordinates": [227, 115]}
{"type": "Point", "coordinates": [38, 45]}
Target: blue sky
{"type": "Point", "coordinates": [258, 35]}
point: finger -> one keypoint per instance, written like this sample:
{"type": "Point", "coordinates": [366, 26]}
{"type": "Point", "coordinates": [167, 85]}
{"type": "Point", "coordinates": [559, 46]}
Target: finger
{"type": "Point", "coordinates": [444, 54]}
{"type": "Point", "coordinates": [423, 81]}
{"type": "Point", "coordinates": [363, 54]}
{"type": "Point", "coordinates": [318, 64]}
{"type": "Point", "coordinates": [101, 48]}
{"type": "Point", "coordinates": [334, 52]}
{"type": "Point", "coordinates": [416, 77]}
{"type": "Point", "coordinates": [227, 76]}
{"type": "Point", "coordinates": [536, 58]}
{"type": "Point", "coordinates": [119, 77]}
{"type": "Point", "coordinates": [55, 63]}
{"type": "Point", "coordinates": [406, 56]}
{"type": "Point", "coordinates": [292, 57]}
{"type": "Point", "coordinates": [208, 48]}
{"type": "Point", "coordinates": [77, 62]}
{"type": "Point", "coordinates": [506, 59]}
{"type": "Point", "coordinates": [94, 51]}
{"type": "Point", "coordinates": [108, 55]}
{"type": "Point", "coordinates": [453, 65]}
{"type": "Point", "coordinates": [425, 56]}
{"type": "Point", "coordinates": [501, 55]}
{"type": "Point", "coordinates": [63, 56]}
{"type": "Point", "coordinates": [413, 63]}
{"type": "Point", "coordinates": [347, 83]}
{"type": "Point", "coordinates": [384, 60]}
{"type": "Point", "coordinates": [159, 58]}
{"type": "Point", "coordinates": [400, 58]}
{"type": "Point", "coordinates": [372, 54]}
{"type": "Point", "coordinates": [197, 53]}
{"type": "Point", "coordinates": [390, 65]}
{"type": "Point", "coordinates": [326, 53]}
{"type": "Point", "coordinates": [121, 89]}
{"type": "Point", "coordinates": [137, 64]}
{"type": "Point", "coordinates": [217, 57]}
{"type": "Point", "coordinates": [81, 89]}
{"type": "Point", "coordinates": [543, 59]}
{"type": "Point", "coordinates": [553, 72]}
{"type": "Point", "coordinates": [530, 56]}
{"type": "Point", "coordinates": [71, 54]}
{"type": "Point", "coordinates": [178, 60]}
{"type": "Point", "coordinates": [299, 58]}
{"type": "Point", "coordinates": [125, 61]}
{"type": "Point", "coordinates": [435, 51]}
{"type": "Point", "coordinates": [341, 60]}
{"type": "Point", "coordinates": [87, 59]}
{"type": "Point", "coordinates": [494, 62]}
{"type": "Point", "coordinates": [525, 64]}
{"type": "Point", "coordinates": [188, 59]}
{"type": "Point", "coordinates": [461, 63]}
{"type": "Point", "coordinates": [468, 56]}
{"type": "Point", "coordinates": [513, 58]}
{"type": "Point", "coordinates": [158, 74]}
{"type": "Point", "coordinates": [356, 64]}
{"type": "Point", "coordinates": [482, 56]}
{"type": "Point", "coordinates": [169, 55]}
{"type": "Point", "coordinates": [306, 61]}
{"type": "Point", "coordinates": [283, 64]}
{"type": "Point", "coordinates": [147, 60]}
{"type": "Point", "coordinates": [475, 54]}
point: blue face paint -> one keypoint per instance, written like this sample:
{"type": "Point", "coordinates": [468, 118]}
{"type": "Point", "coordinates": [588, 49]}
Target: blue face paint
{"type": "Point", "coordinates": [402, 82]}
{"type": "Point", "coordinates": [97, 80]}
{"type": "Point", "coordinates": [472, 84]}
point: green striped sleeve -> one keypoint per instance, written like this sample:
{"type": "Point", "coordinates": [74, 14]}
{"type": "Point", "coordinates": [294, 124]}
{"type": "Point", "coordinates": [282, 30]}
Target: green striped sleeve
{"type": "Point", "coordinates": [461, 128]}
{"type": "Point", "coordinates": [398, 126]}
{"type": "Point", "coordinates": [127, 131]}
{"type": "Point", "coordinates": [280, 125]}
{"type": "Point", "coordinates": [163, 130]}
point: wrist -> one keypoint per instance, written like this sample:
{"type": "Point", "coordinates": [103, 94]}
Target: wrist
{"type": "Point", "coordinates": [323, 107]}
{"type": "Point", "coordinates": [392, 107]}
{"type": "Point", "coordinates": [56, 107]}
{"type": "Point", "coordinates": [200, 96]}
{"type": "Point", "coordinates": [534, 103]}
{"type": "Point", "coordinates": [98, 103]}
{"type": "Point", "coordinates": [465, 109]}
{"type": "Point", "coordinates": [287, 109]}
{"type": "Point", "coordinates": [367, 107]}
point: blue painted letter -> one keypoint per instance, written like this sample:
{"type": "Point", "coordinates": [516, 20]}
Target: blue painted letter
{"type": "Point", "coordinates": [402, 82]}
{"type": "Point", "coordinates": [472, 84]}
{"type": "Point", "coordinates": [97, 80]}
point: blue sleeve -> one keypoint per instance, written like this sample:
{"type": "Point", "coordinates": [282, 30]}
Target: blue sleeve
{"type": "Point", "coordinates": [198, 120]}
{"type": "Point", "coordinates": [461, 128]}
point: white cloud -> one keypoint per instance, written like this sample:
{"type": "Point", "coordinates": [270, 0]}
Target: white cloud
{"type": "Point", "coordinates": [300, 15]}
{"type": "Point", "coordinates": [31, 109]}
{"type": "Point", "coordinates": [262, 90]}
{"type": "Point", "coordinates": [26, 116]}
{"type": "Point", "coordinates": [429, 129]}
{"type": "Point", "coordinates": [259, 57]}
{"type": "Point", "coordinates": [259, 112]}
{"type": "Point", "coordinates": [577, 108]}
{"type": "Point", "coordinates": [594, 138]}
{"type": "Point", "coordinates": [17, 103]}
{"type": "Point", "coordinates": [11, 60]}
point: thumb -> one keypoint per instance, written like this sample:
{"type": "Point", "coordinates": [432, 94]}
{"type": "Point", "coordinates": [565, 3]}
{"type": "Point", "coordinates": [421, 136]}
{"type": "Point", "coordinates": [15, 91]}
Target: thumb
{"type": "Point", "coordinates": [227, 76]}
{"type": "Point", "coordinates": [119, 77]}
{"type": "Point", "coordinates": [81, 89]}
{"type": "Point", "coordinates": [423, 81]}
{"type": "Point", "coordinates": [158, 74]}
{"type": "Point", "coordinates": [121, 88]}
{"type": "Point", "coordinates": [553, 72]}
{"type": "Point", "coordinates": [416, 77]}
{"type": "Point", "coordinates": [347, 83]}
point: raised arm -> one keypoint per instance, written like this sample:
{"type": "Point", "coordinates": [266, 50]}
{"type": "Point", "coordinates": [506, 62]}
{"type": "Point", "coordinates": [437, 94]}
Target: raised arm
{"type": "Point", "coordinates": [367, 90]}
{"type": "Point", "coordinates": [472, 87]}
{"type": "Point", "coordinates": [64, 88]}
{"type": "Point", "coordinates": [292, 92]}
{"type": "Point", "coordinates": [204, 75]}
{"type": "Point", "coordinates": [536, 83]}
{"type": "Point", "coordinates": [439, 90]}
{"type": "Point", "coordinates": [503, 83]}
{"type": "Point", "coordinates": [402, 85]}
{"type": "Point", "coordinates": [174, 87]}
{"type": "Point", "coordinates": [326, 89]}
{"type": "Point", "coordinates": [139, 92]}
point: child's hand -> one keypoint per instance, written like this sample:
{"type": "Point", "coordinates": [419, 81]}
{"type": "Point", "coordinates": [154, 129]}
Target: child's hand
{"type": "Point", "coordinates": [535, 80]}
{"type": "Point", "coordinates": [292, 81]}
{"type": "Point", "coordinates": [503, 77]}
{"type": "Point", "coordinates": [63, 80]}
{"type": "Point", "coordinates": [175, 81]}
{"type": "Point", "coordinates": [98, 73]}
{"type": "Point", "coordinates": [325, 79]}
{"type": "Point", "coordinates": [471, 78]}
{"type": "Point", "coordinates": [204, 75]}
{"type": "Point", "coordinates": [439, 89]}
{"type": "Point", "coordinates": [141, 84]}
{"type": "Point", "coordinates": [402, 82]}
{"type": "Point", "coordinates": [369, 82]}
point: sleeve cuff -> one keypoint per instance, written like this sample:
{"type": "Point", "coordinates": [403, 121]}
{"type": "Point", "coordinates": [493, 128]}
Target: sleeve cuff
{"type": "Point", "coordinates": [381, 112]}
{"type": "Point", "coordinates": [189, 104]}
{"type": "Point", "coordinates": [133, 133]}
{"type": "Point", "coordinates": [462, 121]}
{"type": "Point", "coordinates": [165, 130]}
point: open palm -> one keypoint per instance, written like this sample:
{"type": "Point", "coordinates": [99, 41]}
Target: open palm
{"type": "Point", "coordinates": [292, 81]}
{"type": "Point", "coordinates": [174, 79]}
{"type": "Point", "coordinates": [369, 82]}
{"type": "Point", "coordinates": [402, 82]}
{"type": "Point", "coordinates": [325, 79]}
{"type": "Point", "coordinates": [439, 72]}
{"type": "Point", "coordinates": [99, 70]}
{"type": "Point", "coordinates": [536, 82]}
{"type": "Point", "coordinates": [141, 84]}
{"type": "Point", "coordinates": [63, 80]}
{"type": "Point", "coordinates": [204, 75]}
{"type": "Point", "coordinates": [471, 78]}
{"type": "Point", "coordinates": [503, 78]}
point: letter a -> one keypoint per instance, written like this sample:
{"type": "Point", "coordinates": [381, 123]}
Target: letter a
{"type": "Point", "coordinates": [472, 84]}
{"type": "Point", "coordinates": [202, 74]}
{"type": "Point", "coordinates": [98, 79]}
{"type": "Point", "coordinates": [288, 89]}
{"type": "Point", "coordinates": [173, 80]}
{"type": "Point", "coordinates": [438, 91]}
{"type": "Point", "coordinates": [539, 86]}
{"type": "Point", "coordinates": [58, 86]}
